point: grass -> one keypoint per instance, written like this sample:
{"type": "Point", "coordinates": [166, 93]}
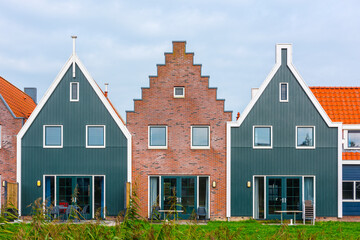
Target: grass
{"type": "Point", "coordinates": [141, 229]}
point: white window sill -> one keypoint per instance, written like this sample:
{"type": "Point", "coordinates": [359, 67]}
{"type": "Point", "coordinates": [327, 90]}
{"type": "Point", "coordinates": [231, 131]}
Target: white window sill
{"type": "Point", "coordinates": [157, 147]}
{"type": "Point", "coordinates": [200, 147]}
{"type": "Point", "coordinates": [52, 146]}
{"type": "Point", "coordinates": [297, 147]}
{"type": "Point", "coordinates": [258, 147]}
{"type": "Point", "coordinates": [95, 146]}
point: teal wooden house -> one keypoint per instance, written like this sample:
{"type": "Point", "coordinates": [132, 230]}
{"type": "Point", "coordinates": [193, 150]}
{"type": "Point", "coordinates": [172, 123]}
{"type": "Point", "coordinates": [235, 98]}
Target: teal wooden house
{"type": "Point", "coordinates": [74, 142]}
{"type": "Point", "coordinates": [283, 150]}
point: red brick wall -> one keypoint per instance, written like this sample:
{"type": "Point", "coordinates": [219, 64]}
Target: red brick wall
{"type": "Point", "coordinates": [199, 107]}
{"type": "Point", "coordinates": [9, 129]}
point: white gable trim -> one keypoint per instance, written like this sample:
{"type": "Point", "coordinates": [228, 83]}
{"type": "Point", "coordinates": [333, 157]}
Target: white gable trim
{"type": "Point", "coordinates": [248, 108]}
{"type": "Point", "coordinates": [73, 59]}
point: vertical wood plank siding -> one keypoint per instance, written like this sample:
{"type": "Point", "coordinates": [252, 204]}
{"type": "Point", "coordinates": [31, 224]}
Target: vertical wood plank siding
{"type": "Point", "coordinates": [74, 157]}
{"type": "Point", "coordinates": [284, 158]}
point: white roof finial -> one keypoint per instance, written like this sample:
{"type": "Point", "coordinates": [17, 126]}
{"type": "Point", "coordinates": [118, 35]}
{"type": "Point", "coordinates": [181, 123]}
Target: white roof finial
{"type": "Point", "coordinates": [74, 38]}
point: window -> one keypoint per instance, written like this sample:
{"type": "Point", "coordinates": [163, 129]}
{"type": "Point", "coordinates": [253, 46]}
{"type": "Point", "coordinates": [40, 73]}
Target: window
{"type": "Point", "coordinates": [179, 92]}
{"type": "Point", "coordinates": [353, 139]}
{"type": "Point", "coordinates": [305, 137]}
{"type": "Point", "coordinates": [74, 91]}
{"type": "Point", "coordinates": [284, 92]}
{"type": "Point", "coordinates": [262, 136]}
{"type": "Point", "coordinates": [200, 137]}
{"type": "Point", "coordinates": [95, 136]}
{"type": "Point", "coordinates": [351, 190]}
{"type": "Point", "coordinates": [158, 137]}
{"type": "Point", "coordinates": [53, 136]}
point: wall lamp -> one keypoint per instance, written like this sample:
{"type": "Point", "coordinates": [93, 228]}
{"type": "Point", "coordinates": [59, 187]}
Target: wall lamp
{"type": "Point", "coordinates": [38, 183]}
{"type": "Point", "coordinates": [214, 184]}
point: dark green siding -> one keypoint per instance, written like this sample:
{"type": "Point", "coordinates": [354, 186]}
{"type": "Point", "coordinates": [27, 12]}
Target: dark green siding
{"type": "Point", "coordinates": [284, 158]}
{"type": "Point", "coordinates": [74, 158]}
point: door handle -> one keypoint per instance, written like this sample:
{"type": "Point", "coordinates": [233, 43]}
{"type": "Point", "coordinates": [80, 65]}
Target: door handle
{"type": "Point", "coordinates": [283, 200]}
{"type": "Point", "coordinates": [179, 199]}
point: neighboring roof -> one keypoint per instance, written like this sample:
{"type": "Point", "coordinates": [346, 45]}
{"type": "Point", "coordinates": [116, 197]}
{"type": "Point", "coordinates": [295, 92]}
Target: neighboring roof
{"type": "Point", "coordinates": [342, 104]}
{"type": "Point", "coordinates": [351, 155]}
{"type": "Point", "coordinates": [19, 102]}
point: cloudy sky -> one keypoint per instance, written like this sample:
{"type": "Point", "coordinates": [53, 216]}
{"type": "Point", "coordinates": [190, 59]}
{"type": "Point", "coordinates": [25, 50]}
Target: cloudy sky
{"type": "Point", "coordinates": [120, 42]}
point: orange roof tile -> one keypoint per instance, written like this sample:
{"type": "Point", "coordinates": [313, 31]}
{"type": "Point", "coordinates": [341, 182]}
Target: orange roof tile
{"type": "Point", "coordinates": [342, 104]}
{"type": "Point", "coordinates": [351, 155]}
{"type": "Point", "coordinates": [19, 102]}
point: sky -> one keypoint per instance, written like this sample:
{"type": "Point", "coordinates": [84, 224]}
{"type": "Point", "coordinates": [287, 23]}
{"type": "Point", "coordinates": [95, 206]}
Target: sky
{"type": "Point", "coordinates": [120, 42]}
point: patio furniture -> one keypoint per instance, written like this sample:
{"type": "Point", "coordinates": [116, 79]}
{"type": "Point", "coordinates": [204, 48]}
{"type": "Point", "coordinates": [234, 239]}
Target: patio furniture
{"type": "Point", "coordinates": [170, 212]}
{"type": "Point", "coordinates": [72, 212]}
{"type": "Point", "coordinates": [201, 212]}
{"type": "Point", "coordinates": [55, 212]}
{"type": "Point", "coordinates": [84, 211]}
{"type": "Point", "coordinates": [64, 204]}
{"type": "Point", "coordinates": [308, 212]}
{"type": "Point", "coordinates": [289, 211]}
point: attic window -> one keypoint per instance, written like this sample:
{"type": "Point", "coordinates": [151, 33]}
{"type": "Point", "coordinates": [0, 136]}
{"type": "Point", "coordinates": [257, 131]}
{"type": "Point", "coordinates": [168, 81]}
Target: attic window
{"type": "Point", "coordinates": [179, 92]}
{"type": "Point", "coordinates": [284, 92]}
{"type": "Point", "coordinates": [74, 92]}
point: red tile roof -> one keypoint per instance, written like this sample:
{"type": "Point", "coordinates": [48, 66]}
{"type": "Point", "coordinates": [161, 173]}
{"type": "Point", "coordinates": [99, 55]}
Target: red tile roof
{"type": "Point", "coordinates": [342, 104]}
{"type": "Point", "coordinates": [19, 102]}
{"type": "Point", "coordinates": [351, 155]}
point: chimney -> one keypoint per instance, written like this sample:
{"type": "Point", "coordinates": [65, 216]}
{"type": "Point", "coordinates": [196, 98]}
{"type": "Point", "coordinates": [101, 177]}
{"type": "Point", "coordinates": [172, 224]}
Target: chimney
{"type": "Point", "coordinates": [254, 92]}
{"type": "Point", "coordinates": [238, 116]}
{"type": "Point", "coordinates": [32, 92]}
{"type": "Point", "coordinates": [106, 89]}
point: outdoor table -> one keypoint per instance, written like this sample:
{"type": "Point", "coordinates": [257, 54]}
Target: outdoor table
{"type": "Point", "coordinates": [289, 211]}
{"type": "Point", "coordinates": [170, 211]}
{"type": "Point", "coordinates": [62, 207]}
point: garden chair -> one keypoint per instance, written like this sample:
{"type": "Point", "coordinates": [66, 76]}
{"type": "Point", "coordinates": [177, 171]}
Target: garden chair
{"type": "Point", "coordinates": [201, 212]}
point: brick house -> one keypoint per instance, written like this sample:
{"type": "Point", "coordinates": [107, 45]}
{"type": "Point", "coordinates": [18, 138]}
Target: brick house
{"type": "Point", "coordinates": [15, 108]}
{"type": "Point", "coordinates": [178, 133]}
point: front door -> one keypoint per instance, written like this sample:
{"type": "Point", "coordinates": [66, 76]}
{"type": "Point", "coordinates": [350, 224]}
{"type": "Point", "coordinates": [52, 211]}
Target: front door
{"type": "Point", "coordinates": [283, 194]}
{"type": "Point", "coordinates": [179, 195]}
{"type": "Point", "coordinates": [75, 191]}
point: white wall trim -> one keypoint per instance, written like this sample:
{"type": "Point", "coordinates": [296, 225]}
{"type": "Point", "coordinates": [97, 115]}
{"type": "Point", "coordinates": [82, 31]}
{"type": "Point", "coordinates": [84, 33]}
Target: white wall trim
{"type": "Point", "coordinates": [351, 162]}
{"type": "Point", "coordinates": [73, 59]}
{"type": "Point", "coordinates": [62, 136]}
{"type": "Point", "coordinates": [86, 136]}
{"type": "Point", "coordinates": [351, 126]}
{"type": "Point", "coordinates": [340, 173]}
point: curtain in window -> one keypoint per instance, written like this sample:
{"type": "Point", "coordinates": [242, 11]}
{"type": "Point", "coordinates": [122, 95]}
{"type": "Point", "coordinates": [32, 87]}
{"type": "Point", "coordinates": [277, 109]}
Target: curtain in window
{"type": "Point", "coordinates": [309, 188]}
{"type": "Point", "coordinates": [153, 191]}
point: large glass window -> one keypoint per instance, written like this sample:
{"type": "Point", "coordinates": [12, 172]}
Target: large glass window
{"type": "Point", "coordinates": [53, 136]}
{"type": "Point", "coordinates": [157, 137]}
{"type": "Point", "coordinates": [283, 92]}
{"type": "Point", "coordinates": [200, 136]}
{"type": "Point", "coordinates": [305, 137]}
{"type": "Point", "coordinates": [74, 91]}
{"type": "Point", "coordinates": [95, 136]}
{"type": "Point", "coordinates": [262, 137]}
{"type": "Point", "coordinates": [179, 92]}
{"type": "Point", "coordinates": [351, 190]}
{"type": "Point", "coordinates": [354, 139]}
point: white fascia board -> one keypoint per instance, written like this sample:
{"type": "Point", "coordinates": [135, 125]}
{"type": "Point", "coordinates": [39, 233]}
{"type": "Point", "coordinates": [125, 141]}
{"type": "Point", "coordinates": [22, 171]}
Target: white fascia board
{"type": "Point", "coordinates": [73, 59]}
{"type": "Point", "coordinates": [351, 126]}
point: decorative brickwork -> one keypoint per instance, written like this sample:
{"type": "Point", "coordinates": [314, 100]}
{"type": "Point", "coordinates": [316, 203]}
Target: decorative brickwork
{"type": "Point", "coordinates": [199, 107]}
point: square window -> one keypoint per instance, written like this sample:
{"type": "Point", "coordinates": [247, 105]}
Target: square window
{"type": "Point", "coordinates": [158, 137]}
{"type": "Point", "coordinates": [179, 92]}
{"type": "Point", "coordinates": [348, 190]}
{"type": "Point", "coordinates": [284, 92]}
{"type": "Point", "coordinates": [95, 136]}
{"type": "Point", "coordinates": [74, 91]}
{"type": "Point", "coordinates": [262, 137]}
{"type": "Point", "coordinates": [353, 139]}
{"type": "Point", "coordinates": [200, 137]}
{"type": "Point", "coordinates": [305, 137]}
{"type": "Point", "coordinates": [52, 135]}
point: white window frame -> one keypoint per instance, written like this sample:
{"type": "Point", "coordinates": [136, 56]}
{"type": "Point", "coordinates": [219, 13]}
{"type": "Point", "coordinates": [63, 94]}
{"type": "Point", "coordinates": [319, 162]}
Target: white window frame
{"type": "Point", "coordinates": [271, 137]}
{"type": "Point", "coordinates": [287, 92]}
{"type": "Point", "coordinates": [166, 137]}
{"type": "Point", "coordinates": [305, 147]}
{"type": "Point", "coordinates": [71, 99]}
{"type": "Point", "coordinates": [62, 136]}
{"type": "Point", "coordinates": [179, 96]}
{"type": "Point", "coordinates": [354, 191]}
{"type": "Point", "coordinates": [346, 136]}
{"type": "Point", "coordinates": [86, 136]}
{"type": "Point", "coordinates": [199, 147]}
